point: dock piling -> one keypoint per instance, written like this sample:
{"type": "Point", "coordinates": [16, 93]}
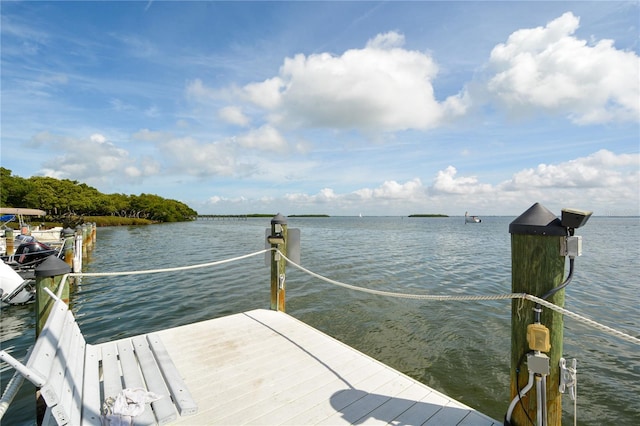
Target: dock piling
{"type": "Point", "coordinates": [8, 235]}
{"type": "Point", "coordinates": [278, 240]}
{"type": "Point", "coordinates": [49, 274]}
{"type": "Point", "coordinates": [68, 240]}
{"type": "Point", "coordinates": [538, 265]}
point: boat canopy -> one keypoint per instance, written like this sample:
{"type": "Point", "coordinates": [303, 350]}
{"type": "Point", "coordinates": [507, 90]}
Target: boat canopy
{"type": "Point", "coordinates": [21, 211]}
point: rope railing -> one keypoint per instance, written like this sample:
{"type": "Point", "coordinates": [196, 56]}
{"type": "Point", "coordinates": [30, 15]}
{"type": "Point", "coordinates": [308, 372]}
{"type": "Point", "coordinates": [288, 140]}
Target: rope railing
{"type": "Point", "coordinates": [523, 296]}
{"type": "Point", "coordinates": [175, 269]}
{"type": "Point", "coordinates": [413, 296]}
{"type": "Point", "coordinates": [155, 271]}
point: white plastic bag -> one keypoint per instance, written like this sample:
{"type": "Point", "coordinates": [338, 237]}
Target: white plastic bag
{"type": "Point", "coordinates": [119, 411]}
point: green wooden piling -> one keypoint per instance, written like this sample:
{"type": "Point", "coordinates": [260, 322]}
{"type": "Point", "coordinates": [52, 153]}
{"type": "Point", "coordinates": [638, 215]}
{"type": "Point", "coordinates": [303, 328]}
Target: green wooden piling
{"type": "Point", "coordinates": [537, 267]}
{"type": "Point", "coordinates": [9, 239]}
{"type": "Point", "coordinates": [85, 241]}
{"type": "Point", "coordinates": [68, 237]}
{"type": "Point", "coordinates": [278, 239]}
{"type": "Point", "coordinates": [49, 274]}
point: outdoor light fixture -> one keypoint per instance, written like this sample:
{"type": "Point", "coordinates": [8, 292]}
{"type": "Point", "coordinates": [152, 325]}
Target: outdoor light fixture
{"type": "Point", "coordinates": [572, 218]}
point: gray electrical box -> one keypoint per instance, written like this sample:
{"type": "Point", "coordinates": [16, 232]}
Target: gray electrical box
{"type": "Point", "coordinates": [539, 364]}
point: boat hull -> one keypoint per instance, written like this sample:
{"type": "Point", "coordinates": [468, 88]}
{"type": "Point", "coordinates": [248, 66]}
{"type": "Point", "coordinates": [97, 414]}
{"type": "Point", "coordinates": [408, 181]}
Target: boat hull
{"type": "Point", "coordinates": [14, 290]}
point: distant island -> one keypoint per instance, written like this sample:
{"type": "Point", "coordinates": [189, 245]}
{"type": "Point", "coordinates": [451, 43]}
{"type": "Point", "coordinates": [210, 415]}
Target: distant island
{"type": "Point", "coordinates": [256, 215]}
{"type": "Point", "coordinates": [428, 215]}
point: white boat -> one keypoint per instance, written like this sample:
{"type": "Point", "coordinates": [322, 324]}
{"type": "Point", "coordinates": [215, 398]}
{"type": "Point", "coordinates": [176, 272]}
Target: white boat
{"type": "Point", "coordinates": [14, 290]}
{"type": "Point", "coordinates": [471, 219]}
{"type": "Point", "coordinates": [52, 235]}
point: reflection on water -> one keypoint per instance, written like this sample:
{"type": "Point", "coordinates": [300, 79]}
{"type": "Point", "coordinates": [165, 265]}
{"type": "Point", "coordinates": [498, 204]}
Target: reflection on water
{"type": "Point", "coordinates": [459, 348]}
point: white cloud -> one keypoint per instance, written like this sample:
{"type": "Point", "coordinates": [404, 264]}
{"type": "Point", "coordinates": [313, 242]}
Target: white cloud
{"type": "Point", "coordinates": [233, 115]}
{"type": "Point", "coordinates": [266, 94]}
{"type": "Point", "coordinates": [197, 90]}
{"type": "Point", "coordinates": [190, 156]}
{"type": "Point", "coordinates": [548, 69]}
{"type": "Point", "coordinates": [392, 190]}
{"type": "Point", "coordinates": [133, 172]}
{"type": "Point", "coordinates": [602, 169]}
{"type": "Point", "coordinates": [98, 138]}
{"type": "Point", "coordinates": [94, 159]}
{"type": "Point", "coordinates": [265, 138]}
{"type": "Point", "coordinates": [325, 195]}
{"type": "Point", "coordinates": [603, 182]}
{"type": "Point", "coordinates": [380, 87]}
{"type": "Point", "coordinates": [384, 87]}
{"type": "Point", "coordinates": [447, 182]}
{"type": "Point", "coordinates": [388, 40]}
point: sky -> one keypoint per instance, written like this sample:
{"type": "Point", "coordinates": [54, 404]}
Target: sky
{"type": "Point", "coordinates": [338, 108]}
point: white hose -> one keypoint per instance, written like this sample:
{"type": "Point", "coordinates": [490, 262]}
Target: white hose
{"type": "Point", "coordinates": [539, 400]}
{"type": "Point", "coordinates": [519, 396]}
{"type": "Point", "coordinates": [543, 400]}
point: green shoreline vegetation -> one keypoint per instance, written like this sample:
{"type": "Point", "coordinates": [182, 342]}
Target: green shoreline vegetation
{"type": "Point", "coordinates": [69, 203]}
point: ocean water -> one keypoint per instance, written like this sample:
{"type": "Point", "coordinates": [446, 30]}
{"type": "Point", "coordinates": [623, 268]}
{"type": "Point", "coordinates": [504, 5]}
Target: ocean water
{"type": "Point", "coordinates": [459, 348]}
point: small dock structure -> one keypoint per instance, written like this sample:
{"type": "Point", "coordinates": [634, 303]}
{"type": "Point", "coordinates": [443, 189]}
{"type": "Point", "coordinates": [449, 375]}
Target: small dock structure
{"type": "Point", "coordinates": [260, 367]}
{"type": "Point", "coordinates": [265, 367]}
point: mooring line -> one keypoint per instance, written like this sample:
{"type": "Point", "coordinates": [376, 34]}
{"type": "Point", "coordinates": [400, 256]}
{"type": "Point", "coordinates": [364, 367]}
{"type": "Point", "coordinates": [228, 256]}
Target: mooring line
{"type": "Point", "coordinates": [521, 296]}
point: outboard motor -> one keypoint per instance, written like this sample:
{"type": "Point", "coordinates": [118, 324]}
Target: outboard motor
{"type": "Point", "coordinates": [32, 253]}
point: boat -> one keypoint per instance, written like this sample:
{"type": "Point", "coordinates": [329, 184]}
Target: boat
{"type": "Point", "coordinates": [471, 219]}
{"type": "Point", "coordinates": [30, 246]}
{"type": "Point", "coordinates": [50, 235]}
{"type": "Point", "coordinates": [29, 254]}
{"type": "Point", "coordinates": [10, 214]}
{"type": "Point", "coordinates": [14, 289]}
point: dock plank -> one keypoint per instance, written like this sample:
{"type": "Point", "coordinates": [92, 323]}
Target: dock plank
{"type": "Point", "coordinates": [266, 367]}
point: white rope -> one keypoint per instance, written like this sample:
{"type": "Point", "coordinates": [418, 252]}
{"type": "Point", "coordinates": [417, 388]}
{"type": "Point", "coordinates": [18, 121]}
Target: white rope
{"type": "Point", "coordinates": [524, 296]}
{"type": "Point", "coordinates": [10, 392]}
{"type": "Point", "coordinates": [12, 388]}
{"type": "Point", "coordinates": [521, 296]}
{"type": "Point", "coordinates": [155, 271]}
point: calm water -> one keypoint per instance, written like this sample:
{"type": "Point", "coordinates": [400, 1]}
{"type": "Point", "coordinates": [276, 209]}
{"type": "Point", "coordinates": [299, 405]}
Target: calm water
{"type": "Point", "coordinates": [459, 348]}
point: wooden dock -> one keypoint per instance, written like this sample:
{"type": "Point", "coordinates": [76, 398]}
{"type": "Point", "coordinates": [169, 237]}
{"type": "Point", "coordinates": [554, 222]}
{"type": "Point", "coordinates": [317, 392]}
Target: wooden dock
{"type": "Point", "coordinates": [265, 367]}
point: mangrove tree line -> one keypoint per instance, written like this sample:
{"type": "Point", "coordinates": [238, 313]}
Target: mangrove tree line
{"type": "Point", "coordinates": [63, 197]}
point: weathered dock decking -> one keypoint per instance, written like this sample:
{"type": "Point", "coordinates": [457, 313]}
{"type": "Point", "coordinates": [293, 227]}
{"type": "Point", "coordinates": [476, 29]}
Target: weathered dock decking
{"type": "Point", "coordinates": [266, 367]}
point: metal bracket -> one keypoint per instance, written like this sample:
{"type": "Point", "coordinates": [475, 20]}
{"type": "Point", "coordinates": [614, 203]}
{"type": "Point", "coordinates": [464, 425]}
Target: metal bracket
{"type": "Point", "coordinates": [571, 246]}
{"type": "Point", "coordinates": [568, 378]}
{"type": "Point", "coordinates": [281, 282]}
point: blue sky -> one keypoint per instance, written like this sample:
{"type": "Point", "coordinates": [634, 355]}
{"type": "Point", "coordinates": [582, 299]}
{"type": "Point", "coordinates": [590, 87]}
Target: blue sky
{"type": "Point", "coordinates": [341, 108]}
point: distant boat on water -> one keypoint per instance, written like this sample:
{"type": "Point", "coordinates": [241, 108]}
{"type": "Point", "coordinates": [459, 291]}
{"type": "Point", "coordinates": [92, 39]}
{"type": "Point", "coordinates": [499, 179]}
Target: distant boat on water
{"type": "Point", "coordinates": [471, 219]}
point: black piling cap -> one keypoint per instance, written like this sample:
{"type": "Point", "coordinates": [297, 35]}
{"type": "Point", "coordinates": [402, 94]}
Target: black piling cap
{"type": "Point", "coordinates": [538, 220]}
{"type": "Point", "coordinates": [279, 220]}
{"type": "Point", "coordinates": [67, 232]}
{"type": "Point", "coordinates": [52, 267]}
